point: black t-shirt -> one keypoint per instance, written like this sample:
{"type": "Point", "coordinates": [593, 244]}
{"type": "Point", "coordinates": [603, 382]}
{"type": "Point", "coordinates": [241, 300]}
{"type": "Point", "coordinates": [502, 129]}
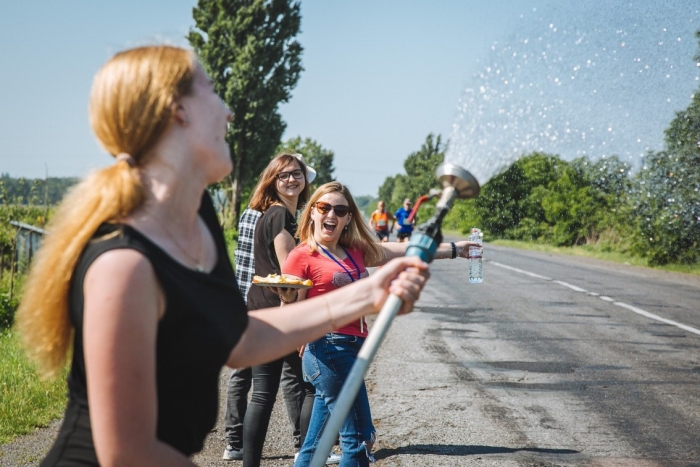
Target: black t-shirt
{"type": "Point", "coordinates": [204, 318]}
{"type": "Point", "coordinates": [275, 219]}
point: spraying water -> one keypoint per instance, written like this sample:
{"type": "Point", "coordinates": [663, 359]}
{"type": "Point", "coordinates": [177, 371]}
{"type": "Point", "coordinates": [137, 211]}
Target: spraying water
{"type": "Point", "coordinates": [580, 79]}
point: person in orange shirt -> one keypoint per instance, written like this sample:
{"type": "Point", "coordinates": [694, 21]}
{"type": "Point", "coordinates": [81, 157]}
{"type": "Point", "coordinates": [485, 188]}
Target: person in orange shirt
{"type": "Point", "coordinates": [379, 222]}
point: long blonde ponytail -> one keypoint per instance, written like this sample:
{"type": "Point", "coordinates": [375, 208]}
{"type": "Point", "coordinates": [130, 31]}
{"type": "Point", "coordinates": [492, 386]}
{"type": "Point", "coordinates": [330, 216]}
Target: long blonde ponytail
{"type": "Point", "coordinates": [42, 317]}
{"type": "Point", "coordinates": [129, 110]}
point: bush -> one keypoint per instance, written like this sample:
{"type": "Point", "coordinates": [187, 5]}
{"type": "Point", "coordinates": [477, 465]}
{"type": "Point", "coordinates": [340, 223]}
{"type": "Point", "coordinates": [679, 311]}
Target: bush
{"type": "Point", "coordinates": [543, 198]}
{"type": "Point", "coordinates": [231, 237]}
{"type": "Point", "coordinates": [7, 310]}
{"type": "Point", "coordinates": [667, 208]}
{"type": "Point", "coordinates": [462, 217]}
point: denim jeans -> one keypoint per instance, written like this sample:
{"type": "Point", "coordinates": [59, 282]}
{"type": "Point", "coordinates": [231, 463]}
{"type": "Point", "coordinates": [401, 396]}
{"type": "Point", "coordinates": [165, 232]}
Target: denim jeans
{"type": "Point", "coordinates": [239, 385]}
{"type": "Point", "coordinates": [326, 364]}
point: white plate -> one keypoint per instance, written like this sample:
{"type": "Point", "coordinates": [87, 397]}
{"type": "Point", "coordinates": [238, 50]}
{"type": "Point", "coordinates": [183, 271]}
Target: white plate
{"type": "Point", "coordinates": [284, 286]}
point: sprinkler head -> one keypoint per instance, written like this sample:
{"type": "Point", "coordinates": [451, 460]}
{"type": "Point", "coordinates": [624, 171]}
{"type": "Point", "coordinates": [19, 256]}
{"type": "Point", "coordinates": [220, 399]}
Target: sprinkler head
{"type": "Point", "coordinates": [464, 183]}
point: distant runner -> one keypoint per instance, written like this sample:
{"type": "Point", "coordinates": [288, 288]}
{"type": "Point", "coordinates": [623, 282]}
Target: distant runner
{"type": "Point", "coordinates": [379, 222]}
{"type": "Point", "coordinates": [405, 227]}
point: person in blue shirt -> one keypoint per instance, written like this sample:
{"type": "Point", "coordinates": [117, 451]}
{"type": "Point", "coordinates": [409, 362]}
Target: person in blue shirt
{"type": "Point", "coordinates": [405, 227]}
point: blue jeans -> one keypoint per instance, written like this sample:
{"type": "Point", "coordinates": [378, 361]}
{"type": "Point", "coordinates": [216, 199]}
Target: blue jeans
{"type": "Point", "coordinates": [326, 364]}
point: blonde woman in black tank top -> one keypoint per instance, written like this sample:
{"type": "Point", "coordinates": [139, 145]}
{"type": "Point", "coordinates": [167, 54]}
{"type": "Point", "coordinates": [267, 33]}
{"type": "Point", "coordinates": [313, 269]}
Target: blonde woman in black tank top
{"type": "Point", "coordinates": [135, 283]}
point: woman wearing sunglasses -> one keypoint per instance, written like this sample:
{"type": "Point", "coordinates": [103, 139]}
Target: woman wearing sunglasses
{"type": "Point", "coordinates": [336, 247]}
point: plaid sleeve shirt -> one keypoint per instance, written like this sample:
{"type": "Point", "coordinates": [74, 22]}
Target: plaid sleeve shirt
{"type": "Point", "coordinates": [244, 257]}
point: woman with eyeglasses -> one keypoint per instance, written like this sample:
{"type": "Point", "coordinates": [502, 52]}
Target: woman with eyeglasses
{"type": "Point", "coordinates": [335, 249]}
{"type": "Point", "coordinates": [281, 191]}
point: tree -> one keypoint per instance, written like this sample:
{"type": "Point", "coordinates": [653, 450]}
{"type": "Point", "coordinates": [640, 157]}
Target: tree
{"type": "Point", "coordinates": [247, 47]}
{"type": "Point", "coordinates": [365, 204]}
{"type": "Point", "coordinates": [510, 204]}
{"type": "Point", "coordinates": [668, 209]}
{"type": "Point", "coordinates": [315, 155]}
{"type": "Point", "coordinates": [420, 169]}
{"type": "Point", "coordinates": [34, 191]}
{"type": "Point", "coordinates": [386, 189]}
{"type": "Point", "coordinates": [683, 134]}
{"type": "Point", "coordinates": [571, 205]}
{"type": "Point", "coordinates": [611, 224]}
{"type": "Point", "coordinates": [420, 174]}
{"type": "Point", "coordinates": [668, 192]}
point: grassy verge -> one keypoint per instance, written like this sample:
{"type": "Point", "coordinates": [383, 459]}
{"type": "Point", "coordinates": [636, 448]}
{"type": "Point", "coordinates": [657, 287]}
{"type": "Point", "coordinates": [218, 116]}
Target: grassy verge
{"type": "Point", "coordinates": [589, 251]}
{"type": "Point", "coordinates": [26, 402]}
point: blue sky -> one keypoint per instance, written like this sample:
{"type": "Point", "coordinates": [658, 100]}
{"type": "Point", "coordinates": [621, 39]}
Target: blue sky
{"type": "Point", "coordinates": [379, 75]}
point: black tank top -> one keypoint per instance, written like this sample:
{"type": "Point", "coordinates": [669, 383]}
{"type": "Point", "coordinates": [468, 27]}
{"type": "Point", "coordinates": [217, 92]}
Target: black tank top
{"type": "Point", "coordinates": [204, 318]}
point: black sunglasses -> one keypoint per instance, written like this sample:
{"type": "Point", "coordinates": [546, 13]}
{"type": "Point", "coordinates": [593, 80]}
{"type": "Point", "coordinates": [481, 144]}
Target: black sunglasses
{"type": "Point", "coordinates": [340, 209]}
{"type": "Point", "coordinates": [284, 176]}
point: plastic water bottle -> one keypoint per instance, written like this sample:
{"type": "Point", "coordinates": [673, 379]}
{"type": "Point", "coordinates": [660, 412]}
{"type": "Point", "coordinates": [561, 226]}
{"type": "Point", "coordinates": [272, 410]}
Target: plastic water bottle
{"type": "Point", "coordinates": [476, 272]}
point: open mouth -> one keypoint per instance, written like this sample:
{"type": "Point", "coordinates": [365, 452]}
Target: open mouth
{"type": "Point", "coordinates": [329, 227]}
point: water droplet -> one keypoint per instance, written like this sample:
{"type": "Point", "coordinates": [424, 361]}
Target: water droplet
{"type": "Point", "coordinates": [599, 82]}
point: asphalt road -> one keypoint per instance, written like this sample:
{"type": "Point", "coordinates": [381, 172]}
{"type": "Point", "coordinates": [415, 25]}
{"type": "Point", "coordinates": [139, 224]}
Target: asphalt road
{"type": "Point", "coordinates": [551, 361]}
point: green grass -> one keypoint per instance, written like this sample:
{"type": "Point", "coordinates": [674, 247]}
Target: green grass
{"type": "Point", "coordinates": [26, 402]}
{"type": "Point", "coordinates": [591, 251]}
{"type": "Point", "coordinates": [588, 251]}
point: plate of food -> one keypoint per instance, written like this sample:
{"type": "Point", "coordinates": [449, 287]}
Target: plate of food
{"type": "Point", "coordinates": [275, 280]}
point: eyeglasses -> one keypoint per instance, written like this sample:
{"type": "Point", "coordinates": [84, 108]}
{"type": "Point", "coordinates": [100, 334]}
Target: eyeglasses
{"type": "Point", "coordinates": [284, 176]}
{"type": "Point", "coordinates": [340, 209]}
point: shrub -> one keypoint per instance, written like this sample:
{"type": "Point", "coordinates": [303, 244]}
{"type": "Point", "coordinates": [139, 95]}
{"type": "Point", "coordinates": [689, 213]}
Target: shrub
{"type": "Point", "coordinates": [7, 309]}
{"type": "Point", "coordinates": [667, 207]}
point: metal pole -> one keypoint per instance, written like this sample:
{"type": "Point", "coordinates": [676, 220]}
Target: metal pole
{"type": "Point", "coordinates": [12, 265]}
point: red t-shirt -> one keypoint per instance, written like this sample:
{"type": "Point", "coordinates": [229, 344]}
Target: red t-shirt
{"type": "Point", "coordinates": [327, 276]}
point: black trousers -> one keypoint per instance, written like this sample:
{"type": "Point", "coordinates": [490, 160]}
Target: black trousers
{"type": "Point", "coordinates": [266, 382]}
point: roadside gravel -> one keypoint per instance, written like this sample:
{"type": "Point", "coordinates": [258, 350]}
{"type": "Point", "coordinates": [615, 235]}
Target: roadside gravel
{"type": "Point", "coordinates": [422, 413]}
